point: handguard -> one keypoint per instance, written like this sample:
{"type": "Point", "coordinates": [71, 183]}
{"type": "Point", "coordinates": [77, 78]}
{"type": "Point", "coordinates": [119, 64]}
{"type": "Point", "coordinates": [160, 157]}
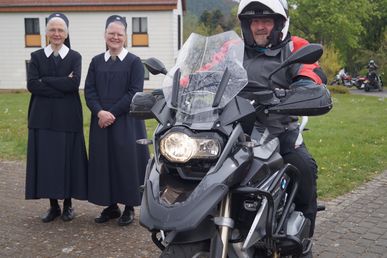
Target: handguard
{"type": "Point", "coordinates": [304, 100]}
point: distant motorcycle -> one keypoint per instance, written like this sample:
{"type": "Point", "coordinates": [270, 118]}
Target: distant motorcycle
{"type": "Point", "coordinates": [373, 82]}
{"type": "Point", "coordinates": [359, 82]}
{"type": "Point", "coordinates": [343, 79]}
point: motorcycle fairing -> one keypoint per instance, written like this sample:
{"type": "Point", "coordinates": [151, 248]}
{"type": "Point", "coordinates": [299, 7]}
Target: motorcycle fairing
{"type": "Point", "coordinates": [238, 109]}
{"type": "Point", "coordinates": [187, 215]}
{"type": "Point", "coordinates": [155, 216]}
{"type": "Point", "coordinates": [266, 158]}
{"type": "Point", "coordinates": [259, 170]}
{"type": "Point", "coordinates": [266, 150]}
{"type": "Point", "coordinates": [229, 169]}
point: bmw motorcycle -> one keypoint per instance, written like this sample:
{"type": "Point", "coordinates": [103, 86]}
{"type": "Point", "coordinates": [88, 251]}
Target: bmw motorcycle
{"type": "Point", "coordinates": [212, 189]}
{"type": "Point", "coordinates": [373, 82]}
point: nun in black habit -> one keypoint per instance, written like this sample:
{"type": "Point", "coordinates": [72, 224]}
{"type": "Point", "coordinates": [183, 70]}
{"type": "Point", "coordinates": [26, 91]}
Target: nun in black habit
{"type": "Point", "coordinates": [116, 163]}
{"type": "Point", "coordinates": [56, 151]}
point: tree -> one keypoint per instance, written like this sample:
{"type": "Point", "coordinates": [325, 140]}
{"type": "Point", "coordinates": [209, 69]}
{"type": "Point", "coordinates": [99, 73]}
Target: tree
{"type": "Point", "coordinates": [190, 24]}
{"type": "Point", "coordinates": [211, 22]}
{"type": "Point", "coordinates": [379, 56]}
{"type": "Point", "coordinates": [233, 21]}
{"type": "Point", "coordinates": [376, 25]}
{"type": "Point", "coordinates": [205, 18]}
{"type": "Point", "coordinates": [338, 22]}
{"type": "Point", "coordinates": [214, 18]}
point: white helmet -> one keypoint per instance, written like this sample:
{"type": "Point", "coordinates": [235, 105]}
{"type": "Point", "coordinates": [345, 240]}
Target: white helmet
{"type": "Point", "coordinates": [277, 9]}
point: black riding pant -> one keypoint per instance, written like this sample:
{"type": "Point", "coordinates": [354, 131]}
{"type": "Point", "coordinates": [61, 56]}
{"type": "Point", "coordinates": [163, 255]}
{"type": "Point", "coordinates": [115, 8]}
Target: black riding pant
{"type": "Point", "coordinates": [306, 197]}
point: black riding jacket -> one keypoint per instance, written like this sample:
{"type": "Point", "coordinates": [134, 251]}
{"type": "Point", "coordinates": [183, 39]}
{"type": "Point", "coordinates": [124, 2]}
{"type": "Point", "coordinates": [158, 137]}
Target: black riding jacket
{"type": "Point", "coordinates": [259, 64]}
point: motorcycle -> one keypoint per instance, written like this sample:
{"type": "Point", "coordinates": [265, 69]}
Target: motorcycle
{"type": "Point", "coordinates": [373, 81]}
{"type": "Point", "coordinates": [211, 189]}
{"type": "Point", "coordinates": [343, 79]}
{"type": "Point", "coordinates": [359, 82]}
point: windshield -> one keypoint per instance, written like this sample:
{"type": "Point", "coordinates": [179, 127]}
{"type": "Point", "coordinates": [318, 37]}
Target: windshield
{"type": "Point", "coordinates": [202, 62]}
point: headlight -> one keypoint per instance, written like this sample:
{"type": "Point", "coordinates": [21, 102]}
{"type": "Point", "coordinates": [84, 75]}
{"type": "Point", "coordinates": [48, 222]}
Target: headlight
{"type": "Point", "coordinates": [180, 147]}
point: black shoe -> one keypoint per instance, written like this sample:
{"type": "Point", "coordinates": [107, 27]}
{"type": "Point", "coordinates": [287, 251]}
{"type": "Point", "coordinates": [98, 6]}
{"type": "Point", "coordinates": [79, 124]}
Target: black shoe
{"type": "Point", "coordinates": [126, 218]}
{"type": "Point", "coordinates": [108, 214]}
{"type": "Point", "coordinates": [68, 214]}
{"type": "Point", "coordinates": [51, 214]}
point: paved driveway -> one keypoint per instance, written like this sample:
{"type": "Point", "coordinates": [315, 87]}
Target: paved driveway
{"type": "Point", "coordinates": [381, 94]}
{"type": "Point", "coordinates": [22, 234]}
{"type": "Point", "coordinates": [354, 225]}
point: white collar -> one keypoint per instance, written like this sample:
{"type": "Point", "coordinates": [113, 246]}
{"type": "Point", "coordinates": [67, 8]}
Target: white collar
{"type": "Point", "coordinates": [63, 51]}
{"type": "Point", "coordinates": [121, 56]}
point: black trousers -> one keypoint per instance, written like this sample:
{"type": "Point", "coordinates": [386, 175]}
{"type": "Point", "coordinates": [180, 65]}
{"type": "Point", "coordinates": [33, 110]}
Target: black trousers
{"type": "Point", "coordinates": [306, 197]}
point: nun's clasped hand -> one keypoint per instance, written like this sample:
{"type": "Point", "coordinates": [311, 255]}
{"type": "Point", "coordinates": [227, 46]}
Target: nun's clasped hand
{"type": "Point", "coordinates": [105, 119]}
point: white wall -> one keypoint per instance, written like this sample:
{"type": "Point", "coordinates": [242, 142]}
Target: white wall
{"type": "Point", "coordinates": [12, 51]}
{"type": "Point", "coordinates": [86, 36]}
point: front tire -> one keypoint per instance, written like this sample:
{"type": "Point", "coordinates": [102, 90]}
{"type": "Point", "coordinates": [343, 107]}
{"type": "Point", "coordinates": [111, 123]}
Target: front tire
{"type": "Point", "coordinates": [358, 85]}
{"type": "Point", "coordinates": [197, 250]}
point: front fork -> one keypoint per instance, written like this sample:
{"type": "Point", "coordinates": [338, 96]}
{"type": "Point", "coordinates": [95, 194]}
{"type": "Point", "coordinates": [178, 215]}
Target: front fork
{"type": "Point", "coordinates": [225, 223]}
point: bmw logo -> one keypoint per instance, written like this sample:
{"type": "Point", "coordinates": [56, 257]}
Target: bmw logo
{"type": "Point", "coordinates": [283, 183]}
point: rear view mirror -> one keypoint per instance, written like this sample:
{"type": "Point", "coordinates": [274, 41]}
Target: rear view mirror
{"type": "Point", "coordinates": [308, 54]}
{"type": "Point", "coordinates": [141, 105]}
{"type": "Point", "coordinates": [155, 66]}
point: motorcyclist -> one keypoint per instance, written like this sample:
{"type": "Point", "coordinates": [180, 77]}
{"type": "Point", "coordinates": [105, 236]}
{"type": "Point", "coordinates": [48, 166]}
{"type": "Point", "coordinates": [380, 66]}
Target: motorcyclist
{"type": "Point", "coordinates": [264, 25]}
{"type": "Point", "coordinates": [373, 75]}
{"type": "Point", "coordinates": [372, 66]}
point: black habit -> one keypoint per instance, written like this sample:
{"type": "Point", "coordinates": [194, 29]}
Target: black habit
{"type": "Point", "coordinates": [56, 151]}
{"type": "Point", "coordinates": [116, 163]}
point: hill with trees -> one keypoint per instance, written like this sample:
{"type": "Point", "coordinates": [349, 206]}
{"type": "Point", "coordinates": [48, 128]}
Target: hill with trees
{"type": "Point", "coordinates": [208, 17]}
{"type": "Point", "coordinates": [197, 7]}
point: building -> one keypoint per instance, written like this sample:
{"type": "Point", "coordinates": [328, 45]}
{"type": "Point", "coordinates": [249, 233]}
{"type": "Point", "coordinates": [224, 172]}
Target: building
{"type": "Point", "coordinates": [154, 30]}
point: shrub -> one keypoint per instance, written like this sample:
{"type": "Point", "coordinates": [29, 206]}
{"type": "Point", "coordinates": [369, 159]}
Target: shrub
{"type": "Point", "coordinates": [330, 61]}
{"type": "Point", "coordinates": [339, 89]}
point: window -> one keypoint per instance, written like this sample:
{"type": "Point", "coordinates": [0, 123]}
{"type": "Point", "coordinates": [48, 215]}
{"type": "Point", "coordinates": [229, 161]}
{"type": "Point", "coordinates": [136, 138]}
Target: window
{"type": "Point", "coordinates": [140, 25]}
{"type": "Point", "coordinates": [178, 32]}
{"type": "Point", "coordinates": [32, 26]}
{"type": "Point", "coordinates": [146, 72]}
{"type": "Point", "coordinates": [27, 66]}
{"type": "Point", "coordinates": [32, 32]}
{"type": "Point", "coordinates": [47, 40]}
{"type": "Point", "coordinates": [140, 32]}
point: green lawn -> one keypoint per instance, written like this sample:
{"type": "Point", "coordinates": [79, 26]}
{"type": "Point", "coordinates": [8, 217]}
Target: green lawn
{"type": "Point", "coordinates": [349, 143]}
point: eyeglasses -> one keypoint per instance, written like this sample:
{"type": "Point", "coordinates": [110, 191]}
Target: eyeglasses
{"type": "Point", "coordinates": [54, 30]}
{"type": "Point", "coordinates": [113, 35]}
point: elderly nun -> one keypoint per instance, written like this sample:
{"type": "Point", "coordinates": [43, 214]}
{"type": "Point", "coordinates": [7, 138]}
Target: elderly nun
{"type": "Point", "coordinates": [56, 151]}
